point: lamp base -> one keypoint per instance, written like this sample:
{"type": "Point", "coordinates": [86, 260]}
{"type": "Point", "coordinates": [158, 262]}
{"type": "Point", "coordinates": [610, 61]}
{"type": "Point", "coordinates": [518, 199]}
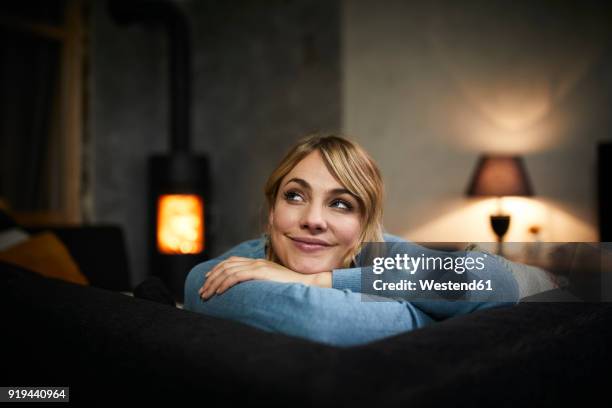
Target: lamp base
{"type": "Point", "coordinates": [500, 225]}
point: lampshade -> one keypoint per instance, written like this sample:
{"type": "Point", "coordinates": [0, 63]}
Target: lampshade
{"type": "Point", "coordinates": [500, 176]}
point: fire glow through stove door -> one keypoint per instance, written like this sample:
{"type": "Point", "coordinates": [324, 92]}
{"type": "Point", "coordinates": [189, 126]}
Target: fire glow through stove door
{"type": "Point", "coordinates": [180, 224]}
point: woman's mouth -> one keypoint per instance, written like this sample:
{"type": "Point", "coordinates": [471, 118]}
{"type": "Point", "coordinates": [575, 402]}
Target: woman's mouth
{"type": "Point", "coordinates": [308, 246]}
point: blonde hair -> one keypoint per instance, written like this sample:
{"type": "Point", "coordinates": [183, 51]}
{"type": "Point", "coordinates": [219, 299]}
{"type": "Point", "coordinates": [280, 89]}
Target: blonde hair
{"type": "Point", "coordinates": [353, 167]}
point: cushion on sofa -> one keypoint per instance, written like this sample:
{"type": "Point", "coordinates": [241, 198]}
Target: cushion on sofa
{"type": "Point", "coordinates": [99, 250]}
{"type": "Point", "coordinates": [45, 254]}
{"type": "Point", "coordinates": [531, 280]}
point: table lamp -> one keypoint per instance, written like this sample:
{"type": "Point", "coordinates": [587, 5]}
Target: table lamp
{"type": "Point", "coordinates": [499, 176]}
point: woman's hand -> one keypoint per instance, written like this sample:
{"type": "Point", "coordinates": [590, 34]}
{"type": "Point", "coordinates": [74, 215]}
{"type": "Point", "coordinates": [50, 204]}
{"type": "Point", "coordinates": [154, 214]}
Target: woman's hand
{"type": "Point", "coordinates": [236, 269]}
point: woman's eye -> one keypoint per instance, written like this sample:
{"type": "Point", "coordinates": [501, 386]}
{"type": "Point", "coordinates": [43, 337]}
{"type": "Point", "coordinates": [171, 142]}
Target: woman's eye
{"type": "Point", "coordinates": [290, 195]}
{"type": "Point", "coordinates": [295, 197]}
{"type": "Point", "coordinates": [345, 205]}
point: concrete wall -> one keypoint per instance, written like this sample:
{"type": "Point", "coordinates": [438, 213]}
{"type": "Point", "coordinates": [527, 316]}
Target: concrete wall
{"type": "Point", "coordinates": [429, 85]}
{"type": "Point", "coordinates": [424, 86]}
{"type": "Point", "coordinates": [264, 74]}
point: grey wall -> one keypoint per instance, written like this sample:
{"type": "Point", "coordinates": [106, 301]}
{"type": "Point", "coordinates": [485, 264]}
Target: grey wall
{"type": "Point", "coordinates": [429, 85]}
{"type": "Point", "coordinates": [264, 74]}
{"type": "Point", "coordinates": [425, 86]}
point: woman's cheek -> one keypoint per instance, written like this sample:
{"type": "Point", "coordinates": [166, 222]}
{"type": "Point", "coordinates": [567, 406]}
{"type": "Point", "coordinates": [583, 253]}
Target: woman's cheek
{"type": "Point", "coordinates": [349, 231]}
{"type": "Point", "coordinates": [284, 218]}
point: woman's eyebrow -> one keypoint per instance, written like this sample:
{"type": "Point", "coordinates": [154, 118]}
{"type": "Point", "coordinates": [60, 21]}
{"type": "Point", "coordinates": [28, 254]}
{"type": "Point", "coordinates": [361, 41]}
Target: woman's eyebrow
{"type": "Point", "coordinates": [305, 184]}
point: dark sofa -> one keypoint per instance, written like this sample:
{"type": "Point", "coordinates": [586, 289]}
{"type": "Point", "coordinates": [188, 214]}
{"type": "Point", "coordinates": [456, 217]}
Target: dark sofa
{"type": "Point", "coordinates": [110, 347]}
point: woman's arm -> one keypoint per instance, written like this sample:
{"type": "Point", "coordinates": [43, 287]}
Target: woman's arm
{"type": "Point", "coordinates": [437, 305]}
{"type": "Point", "coordinates": [336, 317]}
{"type": "Point", "coordinates": [246, 262]}
{"type": "Point", "coordinates": [325, 315]}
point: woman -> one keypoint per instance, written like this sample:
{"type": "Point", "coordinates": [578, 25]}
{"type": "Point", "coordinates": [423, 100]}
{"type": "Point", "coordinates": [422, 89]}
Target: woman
{"type": "Point", "coordinates": [303, 276]}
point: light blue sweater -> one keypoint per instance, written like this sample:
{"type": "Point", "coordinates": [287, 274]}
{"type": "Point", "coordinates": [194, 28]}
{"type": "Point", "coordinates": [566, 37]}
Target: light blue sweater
{"type": "Point", "coordinates": [349, 278]}
{"type": "Point", "coordinates": [337, 315]}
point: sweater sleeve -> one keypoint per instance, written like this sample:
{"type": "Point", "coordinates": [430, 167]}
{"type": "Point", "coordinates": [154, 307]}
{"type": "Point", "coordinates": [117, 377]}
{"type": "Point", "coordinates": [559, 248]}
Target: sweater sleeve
{"type": "Point", "coordinates": [349, 278]}
{"type": "Point", "coordinates": [319, 314]}
{"type": "Point", "coordinates": [361, 278]}
{"type": "Point", "coordinates": [248, 249]}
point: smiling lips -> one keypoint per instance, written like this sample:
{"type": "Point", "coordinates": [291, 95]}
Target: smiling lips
{"type": "Point", "coordinates": [309, 244]}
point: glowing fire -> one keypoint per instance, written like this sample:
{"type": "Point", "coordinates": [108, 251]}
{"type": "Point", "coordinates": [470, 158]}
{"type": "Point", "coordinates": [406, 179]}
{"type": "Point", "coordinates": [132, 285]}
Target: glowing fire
{"type": "Point", "coordinates": [180, 224]}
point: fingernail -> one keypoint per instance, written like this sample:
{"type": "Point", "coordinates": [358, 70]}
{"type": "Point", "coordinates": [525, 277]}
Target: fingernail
{"type": "Point", "coordinates": [207, 273]}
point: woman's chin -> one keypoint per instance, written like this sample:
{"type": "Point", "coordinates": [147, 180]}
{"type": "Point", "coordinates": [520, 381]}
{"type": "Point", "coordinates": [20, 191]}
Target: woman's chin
{"type": "Point", "coordinates": [309, 267]}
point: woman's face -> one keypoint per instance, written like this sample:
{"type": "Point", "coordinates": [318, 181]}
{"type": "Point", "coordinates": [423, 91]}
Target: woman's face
{"type": "Point", "coordinates": [311, 205]}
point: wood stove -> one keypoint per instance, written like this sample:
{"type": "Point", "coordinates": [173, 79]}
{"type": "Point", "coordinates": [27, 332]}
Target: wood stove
{"type": "Point", "coordinates": [178, 182]}
{"type": "Point", "coordinates": [178, 196]}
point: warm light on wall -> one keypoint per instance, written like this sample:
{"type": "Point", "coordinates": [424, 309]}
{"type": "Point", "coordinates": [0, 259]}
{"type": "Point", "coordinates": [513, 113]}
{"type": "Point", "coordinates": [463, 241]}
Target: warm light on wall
{"type": "Point", "coordinates": [180, 227]}
{"type": "Point", "coordinates": [461, 220]}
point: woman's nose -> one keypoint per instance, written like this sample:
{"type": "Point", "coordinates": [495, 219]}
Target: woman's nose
{"type": "Point", "coordinates": [313, 218]}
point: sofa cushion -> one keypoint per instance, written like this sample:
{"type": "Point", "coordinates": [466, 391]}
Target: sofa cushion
{"type": "Point", "coordinates": [45, 254]}
{"type": "Point", "coordinates": [100, 252]}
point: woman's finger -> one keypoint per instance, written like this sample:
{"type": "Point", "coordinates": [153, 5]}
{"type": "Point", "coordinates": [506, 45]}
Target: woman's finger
{"type": "Point", "coordinates": [218, 268]}
{"type": "Point", "coordinates": [213, 282]}
{"type": "Point", "coordinates": [230, 276]}
{"type": "Point", "coordinates": [233, 279]}
{"type": "Point", "coordinates": [231, 259]}
{"type": "Point", "coordinates": [239, 273]}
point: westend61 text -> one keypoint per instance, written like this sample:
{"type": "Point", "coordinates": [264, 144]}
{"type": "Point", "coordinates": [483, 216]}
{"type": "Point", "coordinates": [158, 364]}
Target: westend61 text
{"type": "Point", "coordinates": [430, 284]}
